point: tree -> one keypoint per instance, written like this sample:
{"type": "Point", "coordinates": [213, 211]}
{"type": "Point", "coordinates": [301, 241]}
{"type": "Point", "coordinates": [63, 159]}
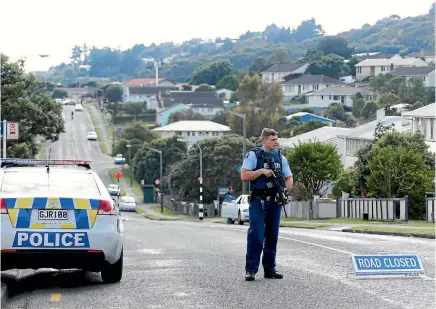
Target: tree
{"type": "Point", "coordinates": [59, 94]}
{"type": "Point", "coordinates": [114, 94]}
{"type": "Point", "coordinates": [24, 102]}
{"type": "Point", "coordinates": [308, 29]}
{"type": "Point", "coordinates": [212, 73]}
{"type": "Point", "coordinates": [357, 107]}
{"type": "Point", "coordinates": [220, 160]}
{"type": "Point", "coordinates": [331, 65]}
{"type": "Point", "coordinates": [136, 134]}
{"type": "Point", "coordinates": [204, 88]}
{"type": "Point", "coordinates": [307, 127]}
{"type": "Point", "coordinates": [228, 82]}
{"type": "Point", "coordinates": [345, 183]}
{"type": "Point", "coordinates": [186, 114]}
{"type": "Point", "coordinates": [315, 166]}
{"type": "Point", "coordinates": [335, 45]}
{"type": "Point", "coordinates": [146, 162]}
{"type": "Point", "coordinates": [369, 109]}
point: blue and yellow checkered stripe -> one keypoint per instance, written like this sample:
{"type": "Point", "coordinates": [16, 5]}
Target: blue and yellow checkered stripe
{"type": "Point", "coordinates": [20, 211]}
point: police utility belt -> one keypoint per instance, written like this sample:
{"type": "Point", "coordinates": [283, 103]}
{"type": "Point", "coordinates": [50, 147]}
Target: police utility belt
{"type": "Point", "coordinates": [263, 195]}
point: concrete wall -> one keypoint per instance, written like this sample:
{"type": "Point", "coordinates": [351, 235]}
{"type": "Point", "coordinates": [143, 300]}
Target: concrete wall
{"type": "Point", "coordinates": [311, 209]}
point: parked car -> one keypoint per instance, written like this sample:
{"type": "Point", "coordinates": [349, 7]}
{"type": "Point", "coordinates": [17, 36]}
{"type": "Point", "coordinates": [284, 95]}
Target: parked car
{"type": "Point", "coordinates": [236, 208]}
{"type": "Point", "coordinates": [127, 203]}
{"type": "Point", "coordinates": [78, 108]}
{"type": "Point", "coordinates": [114, 189]}
{"type": "Point", "coordinates": [92, 136]}
{"type": "Point", "coordinates": [119, 159]}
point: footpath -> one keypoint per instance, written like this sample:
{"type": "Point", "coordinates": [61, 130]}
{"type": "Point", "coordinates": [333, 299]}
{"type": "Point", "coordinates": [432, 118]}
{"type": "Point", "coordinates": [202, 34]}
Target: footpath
{"type": "Point", "coordinates": [97, 118]}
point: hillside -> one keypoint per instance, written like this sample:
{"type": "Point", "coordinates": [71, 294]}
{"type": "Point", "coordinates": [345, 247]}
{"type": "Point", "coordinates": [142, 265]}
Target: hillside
{"type": "Point", "coordinates": [389, 35]}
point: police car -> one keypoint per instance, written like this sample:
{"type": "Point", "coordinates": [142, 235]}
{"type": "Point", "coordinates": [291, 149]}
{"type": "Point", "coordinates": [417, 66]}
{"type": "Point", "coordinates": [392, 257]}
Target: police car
{"type": "Point", "coordinates": [58, 214]}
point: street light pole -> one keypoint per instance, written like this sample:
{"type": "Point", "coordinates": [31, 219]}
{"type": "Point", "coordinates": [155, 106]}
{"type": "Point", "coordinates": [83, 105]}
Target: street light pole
{"type": "Point", "coordinates": [113, 127]}
{"type": "Point", "coordinates": [244, 142]}
{"type": "Point", "coordinates": [161, 176]}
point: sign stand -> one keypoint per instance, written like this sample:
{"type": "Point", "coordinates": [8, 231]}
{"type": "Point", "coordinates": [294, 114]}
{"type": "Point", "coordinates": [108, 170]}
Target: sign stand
{"type": "Point", "coordinates": [388, 266]}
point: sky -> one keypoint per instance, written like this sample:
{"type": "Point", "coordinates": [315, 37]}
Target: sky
{"type": "Point", "coordinates": [53, 27]}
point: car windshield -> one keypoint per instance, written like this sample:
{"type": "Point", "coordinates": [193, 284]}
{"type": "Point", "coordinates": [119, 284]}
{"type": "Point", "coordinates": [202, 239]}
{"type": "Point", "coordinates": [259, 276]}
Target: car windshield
{"type": "Point", "coordinates": [127, 199]}
{"type": "Point", "coordinates": [92, 133]}
{"type": "Point", "coordinates": [36, 181]}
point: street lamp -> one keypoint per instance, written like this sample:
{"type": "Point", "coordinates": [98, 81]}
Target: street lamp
{"type": "Point", "coordinates": [200, 205]}
{"type": "Point", "coordinates": [244, 142]}
{"type": "Point", "coordinates": [4, 120]}
{"type": "Point", "coordinates": [113, 127]}
{"type": "Point", "coordinates": [161, 175]}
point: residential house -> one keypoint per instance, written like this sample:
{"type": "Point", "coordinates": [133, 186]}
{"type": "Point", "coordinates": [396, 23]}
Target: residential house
{"type": "Point", "coordinates": [163, 115]}
{"type": "Point", "coordinates": [306, 117]}
{"type": "Point", "coordinates": [424, 121]}
{"type": "Point", "coordinates": [363, 135]}
{"type": "Point", "coordinates": [277, 72]}
{"type": "Point", "coordinates": [374, 67]}
{"type": "Point", "coordinates": [327, 135]}
{"type": "Point", "coordinates": [145, 95]}
{"type": "Point", "coordinates": [308, 83]}
{"type": "Point", "coordinates": [428, 56]}
{"type": "Point", "coordinates": [343, 95]}
{"type": "Point", "coordinates": [427, 74]}
{"type": "Point", "coordinates": [76, 93]}
{"type": "Point", "coordinates": [193, 130]}
{"type": "Point", "coordinates": [225, 93]}
{"type": "Point", "coordinates": [206, 103]}
{"type": "Point", "coordinates": [149, 82]}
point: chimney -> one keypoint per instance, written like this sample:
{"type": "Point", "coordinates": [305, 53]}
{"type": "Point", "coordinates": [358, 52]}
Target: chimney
{"type": "Point", "coordinates": [381, 115]}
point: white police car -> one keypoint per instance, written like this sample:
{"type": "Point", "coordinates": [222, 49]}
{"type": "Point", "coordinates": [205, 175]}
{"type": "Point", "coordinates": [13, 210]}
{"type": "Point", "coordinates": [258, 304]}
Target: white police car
{"type": "Point", "coordinates": [60, 217]}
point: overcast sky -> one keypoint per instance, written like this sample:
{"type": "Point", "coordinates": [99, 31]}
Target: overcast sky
{"type": "Point", "coordinates": [53, 27]}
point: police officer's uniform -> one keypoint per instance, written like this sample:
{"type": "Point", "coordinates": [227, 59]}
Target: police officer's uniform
{"type": "Point", "coordinates": [264, 213]}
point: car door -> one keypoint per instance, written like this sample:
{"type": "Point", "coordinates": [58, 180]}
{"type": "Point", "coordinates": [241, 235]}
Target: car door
{"type": "Point", "coordinates": [229, 207]}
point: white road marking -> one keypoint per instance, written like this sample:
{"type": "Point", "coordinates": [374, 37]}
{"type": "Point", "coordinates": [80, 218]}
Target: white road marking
{"type": "Point", "coordinates": [317, 245]}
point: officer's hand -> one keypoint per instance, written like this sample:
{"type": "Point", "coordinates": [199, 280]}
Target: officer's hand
{"type": "Point", "coordinates": [268, 173]}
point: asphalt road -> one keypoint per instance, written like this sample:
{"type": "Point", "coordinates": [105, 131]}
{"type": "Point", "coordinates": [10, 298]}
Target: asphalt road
{"type": "Point", "coordinates": [201, 265]}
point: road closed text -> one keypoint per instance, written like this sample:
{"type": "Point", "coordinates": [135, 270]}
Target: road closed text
{"type": "Point", "coordinates": [387, 262]}
{"type": "Point", "coordinates": [24, 239]}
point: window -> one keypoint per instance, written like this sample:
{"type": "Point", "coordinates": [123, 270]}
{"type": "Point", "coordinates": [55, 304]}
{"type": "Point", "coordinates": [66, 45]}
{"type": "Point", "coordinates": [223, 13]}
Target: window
{"type": "Point", "coordinates": [315, 87]}
{"type": "Point", "coordinates": [322, 97]}
{"type": "Point", "coordinates": [383, 68]}
{"type": "Point", "coordinates": [359, 69]}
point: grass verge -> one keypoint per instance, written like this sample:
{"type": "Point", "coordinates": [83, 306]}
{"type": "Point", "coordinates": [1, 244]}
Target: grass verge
{"type": "Point", "coordinates": [398, 230]}
{"type": "Point", "coordinates": [101, 141]}
{"type": "Point", "coordinates": [115, 180]}
{"type": "Point", "coordinates": [154, 217]}
{"type": "Point", "coordinates": [304, 225]}
{"type": "Point", "coordinates": [136, 188]}
{"type": "Point", "coordinates": [413, 223]}
{"type": "Point", "coordinates": [168, 212]}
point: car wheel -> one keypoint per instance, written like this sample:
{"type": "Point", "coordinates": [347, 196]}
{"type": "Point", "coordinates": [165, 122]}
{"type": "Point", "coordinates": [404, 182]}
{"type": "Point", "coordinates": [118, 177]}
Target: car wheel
{"type": "Point", "coordinates": [113, 273]}
{"type": "Point", "coordinates": [240, 222]}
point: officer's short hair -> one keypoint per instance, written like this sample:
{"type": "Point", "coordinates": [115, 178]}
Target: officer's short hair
{"type": "Point", "coordinates": [267, 132]}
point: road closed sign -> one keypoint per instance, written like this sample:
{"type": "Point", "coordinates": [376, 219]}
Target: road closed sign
{"type": "Point", "coordinates": [12, 130]}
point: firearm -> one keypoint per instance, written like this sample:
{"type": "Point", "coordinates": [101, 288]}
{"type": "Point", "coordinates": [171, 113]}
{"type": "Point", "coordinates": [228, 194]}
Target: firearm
{"type": "Point", "coordinates": [280, 180]}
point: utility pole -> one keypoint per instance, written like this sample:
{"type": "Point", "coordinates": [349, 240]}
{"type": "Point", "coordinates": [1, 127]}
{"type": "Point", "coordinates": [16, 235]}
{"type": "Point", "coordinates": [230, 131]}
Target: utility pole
{"type": "Point", "coordinates": [244, 142]}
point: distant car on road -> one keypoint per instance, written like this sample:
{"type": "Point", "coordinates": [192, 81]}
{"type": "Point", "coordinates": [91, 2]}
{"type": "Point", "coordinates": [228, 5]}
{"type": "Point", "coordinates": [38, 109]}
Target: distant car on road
{"type": "Point", "coordinates": [236, 209]}
{"type": "Point", "coordinates": [78, 108]}
{"type": "Point", "coordinates": [69, 221]}
{"type": "Point", "coordinates": [119, 159]}
{"type": "Point", "coordinates": [127, 203]}
{"type": "Point", "coordinates": [92, 136]}
{"type": "Point", "coordinates": [114, 189]}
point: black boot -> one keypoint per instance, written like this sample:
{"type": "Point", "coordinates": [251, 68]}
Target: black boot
{"type": "Point", "coordinates": [272, 274]}
{"type": "Point", "coordinates": [250, 276]}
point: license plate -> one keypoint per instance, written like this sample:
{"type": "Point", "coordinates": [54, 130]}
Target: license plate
{"type": "Point", "coordinates": [51, 214]}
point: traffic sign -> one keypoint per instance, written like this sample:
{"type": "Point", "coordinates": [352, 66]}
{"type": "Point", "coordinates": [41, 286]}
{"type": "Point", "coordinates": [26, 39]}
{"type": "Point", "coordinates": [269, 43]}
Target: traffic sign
{"type": "Point", "coordinates": [388, 266]}
{"type": "Point", "coordinates": [118, 176]}
{"type": "Point", "coordinates": [12, 130]}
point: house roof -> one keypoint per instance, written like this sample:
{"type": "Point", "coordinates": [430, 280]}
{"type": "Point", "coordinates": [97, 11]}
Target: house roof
{"type": "Point", "coordinates": [151, 90]}
{"type": "Point", "coordinates": [366, 131]}
{"type": "Point", "coordinates": [300, 114]}
{"type": "Point", "coordinates": [79, 90]}
{"type": "Point", "coordinates": [313, 79]}
{"type": "Point", "coordinates": [340, 91]}
{"type": "Point", "coordinates": [413, 71]}
{"type": "Point", "coordinates": [283, 67]}
{"type": "Point", "coordinates": [195, 98]}
{"type": "Point", "coordinates": [143, 82]}
{"type": "Point", "coordinates": [320, 135]}
{"type": "Point", "coordinates": [170, 107]}
{"type": "Point", "coordinates": [428, 111]}
{"type": "Point", "coordinates": [193, 125]}
{"type": "Point", "coordinates": [387, 62]}
{"type": "Point", "coordinates": [423, 53]}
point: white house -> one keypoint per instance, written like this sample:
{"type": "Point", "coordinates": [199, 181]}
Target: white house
{"type": "Point", "coordinates": [427, 74]}
{"type": "Point", "coordinates": [424, 121]}
{"type": "Point", "coordinates": [308, 83]}
{"type": "Point", "coordinates": [328, 135]}
{"type": "Point", "coordinates": [342, 95]}
{"type": "Point", "coordinates": [277, 72]}
{"type": "Point", "coordinates": [225, 92]}
{"type": "Point", "coordinates": [147, 95]}
{"type": "Point", "coordinates": [149, 82]}
{"type": "Point", "coordinates": [193, 130]}
{"type": "Point", "coordinates": [362, 135]}
{"type": "Point", "coordinates": [374, 67]}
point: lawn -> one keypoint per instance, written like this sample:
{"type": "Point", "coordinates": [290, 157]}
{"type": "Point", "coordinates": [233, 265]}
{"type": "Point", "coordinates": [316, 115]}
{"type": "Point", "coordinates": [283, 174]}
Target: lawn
{"type": "Point", "coordinates": [136, 188]}
{"type": "Point", "coordinates": [394, 230]}
{"type": "Point", "coordinates": [167, 212]}
{"type": "Point", "coordinates": [303, 225]}
{"type": "Point", "coordinates": [413, 223]}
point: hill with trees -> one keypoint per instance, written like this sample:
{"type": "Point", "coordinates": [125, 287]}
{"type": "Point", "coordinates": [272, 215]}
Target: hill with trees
{"type": "Point", "coordinates": [250, 52]}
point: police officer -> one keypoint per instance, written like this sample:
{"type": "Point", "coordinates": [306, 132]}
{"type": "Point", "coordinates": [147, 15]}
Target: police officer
{"type": "Point", "coordinates": [264, 211]}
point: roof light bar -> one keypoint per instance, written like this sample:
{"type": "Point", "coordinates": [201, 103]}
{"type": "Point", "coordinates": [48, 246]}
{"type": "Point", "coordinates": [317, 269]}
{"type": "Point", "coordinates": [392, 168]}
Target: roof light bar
{"type": "Point", "coordinates": [44, 162]}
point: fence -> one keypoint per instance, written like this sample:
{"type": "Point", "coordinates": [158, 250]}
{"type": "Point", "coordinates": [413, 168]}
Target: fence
{"type": "Point", "coordinates": [429, 209]}
{"type": "Point", "coordinates": [187, 207]}
{"type": "Point", "coordinates": [317, 209]}
{"type": "Point", "coordinates": [378, 209]}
